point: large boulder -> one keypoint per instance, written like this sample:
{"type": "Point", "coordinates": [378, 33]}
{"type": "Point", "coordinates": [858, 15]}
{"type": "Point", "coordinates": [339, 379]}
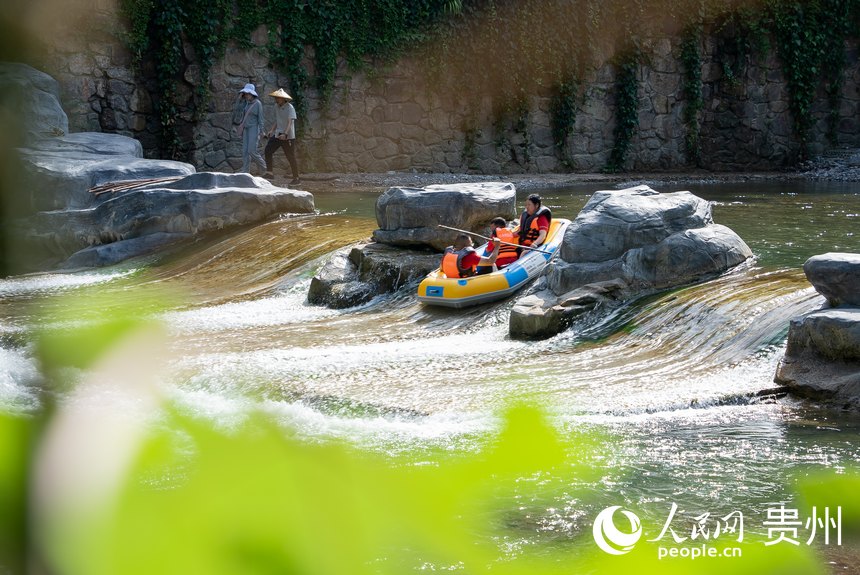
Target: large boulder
{"type": "Point", "coordinates": [624, 244]}
{"type": "Point", "coordinates": [410, 217]}
{"type": "Point", "coordinates": [36, 96]}
{"type": "Point", "coordinates": [822, 354]}
{"type": "Point", "coordinates": [60, 171]}
{"type": "Point", "coordinates": [614, 222]}
{"type": "Point", "coordinates": [355, 275]}
{"type": "Point", "coordinates": [836, 276]}
{"type": "Point", "coordinates": [169, 211]}
{"type": "Point", "coordinates": [60, 215]}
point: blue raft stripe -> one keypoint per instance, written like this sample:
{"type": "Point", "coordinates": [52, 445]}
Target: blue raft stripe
{"type": "Point", "coordinates": [516, 276]}
{"type": "Point", "coordinates": [462, 282]}
{"type": "Point", "coordinates": [435, 291]}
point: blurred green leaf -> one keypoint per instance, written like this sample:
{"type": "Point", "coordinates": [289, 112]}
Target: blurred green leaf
{"type": "Point", "coordinates": [15, 442]}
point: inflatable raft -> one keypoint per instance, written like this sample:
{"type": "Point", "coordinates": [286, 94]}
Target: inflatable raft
{"type": "Point", "coordinates": [438, 289]}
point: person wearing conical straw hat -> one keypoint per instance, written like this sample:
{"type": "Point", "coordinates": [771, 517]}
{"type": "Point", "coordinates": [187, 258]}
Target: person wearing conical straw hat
{"type": "Point", "coordinates": [283, 134]}
{"type": "Point", "coordinates": [250, 128]}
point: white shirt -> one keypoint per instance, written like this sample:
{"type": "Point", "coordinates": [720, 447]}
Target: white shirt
{"type": "Point", "coordinates": [283, 115]}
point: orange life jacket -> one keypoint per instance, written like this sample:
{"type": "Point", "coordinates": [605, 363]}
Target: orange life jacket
{"type": "Point", "coordinates": [529, 231]}
{"type": "Point", "coordinates": [452, 260]}
{"type": "Point", "coordinates": [507, 253]}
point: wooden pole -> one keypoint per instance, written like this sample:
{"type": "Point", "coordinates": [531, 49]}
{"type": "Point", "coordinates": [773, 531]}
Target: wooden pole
{"type": "Point", "coordinates": [490, 239]}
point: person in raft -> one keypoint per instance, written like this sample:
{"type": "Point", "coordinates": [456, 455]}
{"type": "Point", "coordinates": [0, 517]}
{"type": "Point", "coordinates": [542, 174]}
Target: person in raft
{"type": "Point", "coordinates": [534, 223]}
{"type": "Point", "coordinates": [249, 129]}
{"type": "Point", "coordinates": [461, 259]}
{"type": "Point", "coordinates": [282, 135]}
{"type": "Point", "coordinates": [507, 247]}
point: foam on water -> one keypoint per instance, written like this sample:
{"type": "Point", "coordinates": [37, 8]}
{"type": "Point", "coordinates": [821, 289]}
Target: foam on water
{"type": "Point", "coordinates": [52, 283]}
{"type": "Point", "coordinates": [19, 378]}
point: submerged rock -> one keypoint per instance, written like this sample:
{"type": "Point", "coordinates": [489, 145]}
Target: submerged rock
{"type": "Point", "coordinates": [822, 355]}
{"type": "Point", "coordinates": [356, 275]}
{"type": "Point", "coordinates": [624, 244]}
{"type": "Point", "coordinates": [115, 252]}
{"type": "Point", "coordinates": [410, 217]}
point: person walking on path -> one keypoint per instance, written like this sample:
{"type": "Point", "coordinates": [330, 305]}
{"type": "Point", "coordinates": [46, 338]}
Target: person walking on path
{"type": "Point", "coordinates": [250, 128]}
{"type": "Point", "coordinates": [283, 134]}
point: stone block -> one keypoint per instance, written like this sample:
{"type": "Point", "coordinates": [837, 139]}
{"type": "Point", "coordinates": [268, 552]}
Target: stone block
{"type": "Point", "coordinates": [412, 113]}
{"type": "Point", "coordinates": [81, 64]}
{"type": "Point", "coordinates": [214, 158]}
{"type": "Point", "coordinates": [390, 130]}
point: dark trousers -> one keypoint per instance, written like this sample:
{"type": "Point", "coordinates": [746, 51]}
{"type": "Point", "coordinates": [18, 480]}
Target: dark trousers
{"type": "Point", "coordinates": [289, 147]}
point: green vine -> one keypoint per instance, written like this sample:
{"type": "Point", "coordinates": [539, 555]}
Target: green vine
{"type": "Point", "coordinates": [741, 33]}
{"type": "Point", "coordinates": [482, 43]}
{"type": "Point", "coordinates": [521, 127]}
{"type": "Point", "coordinates": [627, 107]}
{"type": "Point", "coordinates": [203, 27]}
{"type": "Point", "coordinates": [563, 113]}
{"type": "Point", "coordinates": [138, 13]}
{"type": "Point", "coordinates": [168, 40]}
{"type": "Point", "coordinates": [691, 61]}
{"type": "Point", "coordinates": [810, 49]}
{"type": "Point", "coordinates": [354, 31]}
{"type": "Point", "coordinates": [470, 144]}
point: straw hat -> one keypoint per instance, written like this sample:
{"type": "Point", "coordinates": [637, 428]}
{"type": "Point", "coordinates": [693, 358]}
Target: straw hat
{"type": "Point", "coordinates": [281, 94]}
{"type": "Point", "coordinates": [248, 89]}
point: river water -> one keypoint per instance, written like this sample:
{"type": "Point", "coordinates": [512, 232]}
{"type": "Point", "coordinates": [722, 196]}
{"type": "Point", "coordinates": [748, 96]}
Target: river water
{"type": "Point", "coordinates": [672, 379]}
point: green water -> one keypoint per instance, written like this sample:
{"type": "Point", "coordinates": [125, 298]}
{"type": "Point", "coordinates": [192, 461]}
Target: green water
{"type": "Point", "coordinates": [671, 380]}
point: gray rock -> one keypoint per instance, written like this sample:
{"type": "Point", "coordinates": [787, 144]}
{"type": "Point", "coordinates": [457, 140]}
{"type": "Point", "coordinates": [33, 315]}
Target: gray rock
{"type": "Point", "coordinates": [624, 245]}
{"type": "Point", "coordinates": [192, 205]}
{"type": "Point", "coordinates": [61, 171]}
{"type": "Point", "coordinates": [822, 358]}
{"type": "Point", "coordinates": [563, 277]}
{"type": "Point", "coordinates": [685, 257]}
{"type": "Point", "coordinates": [36, 95]}
{"type": "Point", "coordinates": [108, 254]}
{"type": "Point", "coordinates": [410, 216]}
{"type": "Point", "coordinates": [60, 216]}
{"type": "Point", "coordinates": [836, 276]}
{"type": "Point", "coordinates": [337, 284]}
{"type": "Point", "coordinates": [543, 314]}
{"type": "Point", "coordinates": [356, 275]}
{"type": "Point", "coordinates": [613, 222]}
{"type": "Point", "coordinates": [830, 333]}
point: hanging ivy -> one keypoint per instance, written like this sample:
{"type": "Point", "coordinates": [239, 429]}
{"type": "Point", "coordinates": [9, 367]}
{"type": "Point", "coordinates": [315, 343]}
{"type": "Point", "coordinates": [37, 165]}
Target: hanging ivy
{"type": "Point", "coordinates": [691, 61]}
{"type": "Point", "coordinates": [810, 40]}
{"type": "Point", "coordinates": [563, 113]}
{"type": "Point", "coordinates": [168, 42]}
{"type": "Point", "coordinates": [626, 105]}
{"type": "Point", "coordinates": [479, 45]}
{"type": "Point", "coordinates": [138, 13]}
{"type": "Point", "coordinates": [740, 33]}
{"type": "Point", "coordinates": [836, 17]}
{"type": "Point", "coordinates": [470, 144]}
{"type": "Point", "coordinates": [352, 30]}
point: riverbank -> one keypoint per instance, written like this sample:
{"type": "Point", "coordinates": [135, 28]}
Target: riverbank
{"type": "Point", "coordinates": [524, 182]}
{"type": "Point", "coordinates": [841, 165]}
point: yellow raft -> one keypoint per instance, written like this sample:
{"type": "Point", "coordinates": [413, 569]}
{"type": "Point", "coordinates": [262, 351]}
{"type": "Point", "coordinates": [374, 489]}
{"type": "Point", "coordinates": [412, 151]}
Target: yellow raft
{"type": "Point", "coordinates": [439, 289]}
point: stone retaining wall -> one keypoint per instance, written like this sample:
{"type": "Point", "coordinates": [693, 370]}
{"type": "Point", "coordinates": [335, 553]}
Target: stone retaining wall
{"type": "Point", "coordinates": [393, 121]}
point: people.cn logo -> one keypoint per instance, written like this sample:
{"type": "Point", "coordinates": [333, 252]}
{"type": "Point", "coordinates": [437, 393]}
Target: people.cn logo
{"type": "Point", "coordinates": [611, 539]}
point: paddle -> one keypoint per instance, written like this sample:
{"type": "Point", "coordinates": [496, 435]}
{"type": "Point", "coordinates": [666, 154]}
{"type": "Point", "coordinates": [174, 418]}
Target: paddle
{"type": "Point", "coordinates": [491, 239]}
